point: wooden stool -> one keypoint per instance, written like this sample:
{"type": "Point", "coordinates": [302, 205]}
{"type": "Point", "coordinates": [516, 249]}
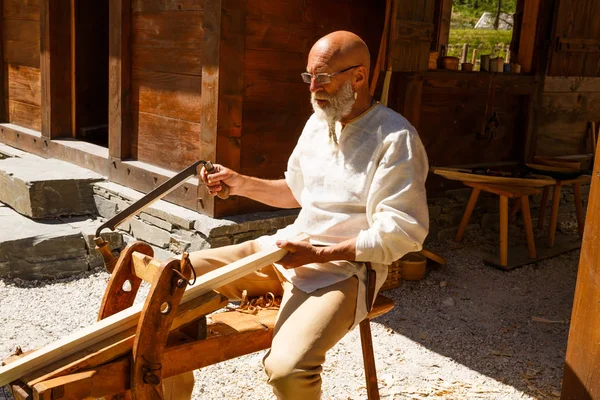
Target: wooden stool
{"type": "Point", "coordinates": [576, 183]}
{"type": "Point", "coordinates": [505, 192]}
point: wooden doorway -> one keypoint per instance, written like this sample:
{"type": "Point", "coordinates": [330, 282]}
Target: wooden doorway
{"type": "Point", "coordinates": [90, 71]}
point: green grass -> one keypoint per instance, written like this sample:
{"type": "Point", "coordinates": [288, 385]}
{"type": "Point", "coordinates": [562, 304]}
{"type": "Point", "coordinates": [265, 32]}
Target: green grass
{"type": "Point", "coordinates": [484, 40]}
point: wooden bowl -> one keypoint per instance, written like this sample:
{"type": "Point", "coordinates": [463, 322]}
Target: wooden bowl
{"type": "Point", "coordinates": [414, 266]}
{"type": "Point", "coordinates": [450, 63]}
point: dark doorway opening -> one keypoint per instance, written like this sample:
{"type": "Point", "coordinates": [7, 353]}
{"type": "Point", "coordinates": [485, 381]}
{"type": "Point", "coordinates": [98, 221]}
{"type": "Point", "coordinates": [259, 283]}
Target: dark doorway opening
{"type": "Point", "coordinates": [90, 71]}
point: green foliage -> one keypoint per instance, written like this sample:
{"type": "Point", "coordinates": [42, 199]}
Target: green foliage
{"type": "Point", "coordinates": [484, 40]}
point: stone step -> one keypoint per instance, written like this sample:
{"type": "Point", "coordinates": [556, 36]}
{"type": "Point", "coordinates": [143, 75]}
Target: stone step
{"type": "Point", "coordinates": [45, 188]}
{"type": "Point", "coordinates": [47, 249]}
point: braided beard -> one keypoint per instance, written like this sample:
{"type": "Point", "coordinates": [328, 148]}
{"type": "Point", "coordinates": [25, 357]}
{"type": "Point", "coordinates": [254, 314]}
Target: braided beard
{"type": "Point", "coordinates": [339, 105]}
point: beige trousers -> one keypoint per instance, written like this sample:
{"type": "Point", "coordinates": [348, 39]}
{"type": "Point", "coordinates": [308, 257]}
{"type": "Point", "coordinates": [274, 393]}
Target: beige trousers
{"type": "Point", "coordinates": [307, 326]}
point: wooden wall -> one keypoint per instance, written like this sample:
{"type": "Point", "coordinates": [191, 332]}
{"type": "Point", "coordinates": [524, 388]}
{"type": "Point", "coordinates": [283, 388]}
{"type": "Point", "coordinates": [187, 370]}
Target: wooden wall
{"type": "Point", "coordinates": [276, 103]}
{"type": "Point", "coordinates": [21, 55]}
{"type": "Point", "coordinates": [166, 76]}
{"type": "Point", "coordinates": [576, 39]}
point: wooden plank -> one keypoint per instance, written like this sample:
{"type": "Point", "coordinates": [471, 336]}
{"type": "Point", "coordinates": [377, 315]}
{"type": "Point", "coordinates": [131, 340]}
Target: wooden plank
{"type": "Point", "coordinates": [3, 73]}
{"type": "Point", "coordinates": [21, 9]}
{"type": "Point", "coordinates": [55, 60]}
{"type": "Point", "coordinates": [21, 42]}
{"type": "Point", "coordinates": [25, 115]}
{"type": "Point", "coordinates": [127, 319]}
{"type": "Point", "coordinates": [231, 92]}
{"type": "Point", "coordinates": [169, 41]}
{"type": "Point", "coordinates": [571, 84]}
{"type": "Point", "coordinates": [528, 30]}
{"type": "Point", "coordinates": [441, 17]}
{"type": "Point", "coordinates": [102, 381]}
{"type": "Point", "coordinates": [119, 79]}
{"type": "Point", "coordinates": [170, 95]}
{"type": "Point", "coordinates": [211, 43]}
{"type": "Point", "coordinates": [155, 134]}
{"type": "Point", "coordinates": [24, 84]}
{"type": "Point", "coordinates": [582, 367]}
{"type": "Point", "coordinates": [152, 6]}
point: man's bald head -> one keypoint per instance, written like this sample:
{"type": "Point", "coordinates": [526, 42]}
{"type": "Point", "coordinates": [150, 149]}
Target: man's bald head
{"type": "Point", "coordinates": [339, 50]}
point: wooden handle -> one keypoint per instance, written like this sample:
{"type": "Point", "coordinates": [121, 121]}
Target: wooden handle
{"type": "Point", "coordinates": [109, 259]}
{"type": "Point", "coordinates": [224, 192]}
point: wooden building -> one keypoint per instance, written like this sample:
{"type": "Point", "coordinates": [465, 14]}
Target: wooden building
{"type": "Point", "coordinates": [139, 89]}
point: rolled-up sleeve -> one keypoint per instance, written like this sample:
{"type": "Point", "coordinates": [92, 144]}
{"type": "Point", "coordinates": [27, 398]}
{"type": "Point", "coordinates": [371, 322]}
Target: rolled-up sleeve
{"type": "Point", "coordinates": [397, 209]}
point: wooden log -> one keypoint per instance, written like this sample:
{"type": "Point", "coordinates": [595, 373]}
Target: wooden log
{"type": "Point", "coordinates": [128, 318]}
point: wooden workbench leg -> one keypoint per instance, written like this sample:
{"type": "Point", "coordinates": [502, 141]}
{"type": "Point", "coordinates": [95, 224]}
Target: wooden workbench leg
{"type": "Point", "coordinates": [528, 226]}
{"type": "Point", "coordinates": [503, 231]}
{"type": "Point", "coordinates": [543, 205]}
{"type": "Point", "coordinates": [579, 208]}
{"type": "Point", "coordinates": [554, 214]}
{"type": "Point", "coordinates": [467, 215]}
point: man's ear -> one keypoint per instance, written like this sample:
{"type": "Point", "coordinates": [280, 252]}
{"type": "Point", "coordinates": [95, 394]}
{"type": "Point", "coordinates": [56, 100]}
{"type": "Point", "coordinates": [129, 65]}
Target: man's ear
{"type": "Point", "coordinates": [360, 77]}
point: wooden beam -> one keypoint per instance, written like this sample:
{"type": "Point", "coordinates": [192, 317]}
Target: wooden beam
{"type": "Point", "coordinates": [441, 17]}
{"type": "Point", "coordinates": [3, 71]}
{"type": "Point", "coordinates": [211, 46]}
{"type": "Point", "coordinates": [119, 79]}
{"type": "Point", "coordinates": [128, 318]}
{"type": "Point", "coordinates": [528, 30]}
{"type": "Point", "coordinates": [581, 378]}
{"type": "Point", "coordinates": [55, 63]}
{"type": "Point", "coordinates": [231, 95]}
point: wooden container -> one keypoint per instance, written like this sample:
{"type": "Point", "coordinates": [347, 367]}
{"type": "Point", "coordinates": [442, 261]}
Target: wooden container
{"type": "Point", "coordinates": [450, 63]}
{"type": "Point", "coordinates": [413, 266]}
{"type": "Point", "coordinates": [394, 276]}
{"type": "Point", "coordinates": [484, 63]}
{"type": "Point", "coordinates": [466, 66]}
{"type": "Point", "coordinates": [515, 68]}
{"type": "Point", "coordinates": [433, 59]}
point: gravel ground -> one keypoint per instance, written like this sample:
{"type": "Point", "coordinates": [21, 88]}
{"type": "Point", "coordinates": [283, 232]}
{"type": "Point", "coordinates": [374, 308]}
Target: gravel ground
{"type": "Point", "coordinates": [464, 332]}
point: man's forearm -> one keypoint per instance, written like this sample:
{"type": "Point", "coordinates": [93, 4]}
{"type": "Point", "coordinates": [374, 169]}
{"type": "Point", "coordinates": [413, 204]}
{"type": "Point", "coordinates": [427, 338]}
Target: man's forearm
{"type": "Point", "coordinates": [345, 250]}
{"type": "Point", "coordinates": [275, 193]}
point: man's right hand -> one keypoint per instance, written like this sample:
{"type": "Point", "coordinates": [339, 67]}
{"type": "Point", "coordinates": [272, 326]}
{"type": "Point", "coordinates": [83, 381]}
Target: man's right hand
{"type": "Point", "coordinates": [221, 174]}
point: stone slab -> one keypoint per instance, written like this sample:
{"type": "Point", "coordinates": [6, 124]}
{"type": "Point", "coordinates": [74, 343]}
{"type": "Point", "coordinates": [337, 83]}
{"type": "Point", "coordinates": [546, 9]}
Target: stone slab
{"type": "Point", "coordinates": [46, 188]}
{"type": "Point", "coordinates": [47, 249]}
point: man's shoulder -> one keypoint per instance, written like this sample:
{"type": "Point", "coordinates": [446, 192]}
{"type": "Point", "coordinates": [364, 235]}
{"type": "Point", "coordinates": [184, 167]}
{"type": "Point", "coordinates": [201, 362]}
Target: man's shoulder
{"type": "Point", "coordinates": [388, 122]}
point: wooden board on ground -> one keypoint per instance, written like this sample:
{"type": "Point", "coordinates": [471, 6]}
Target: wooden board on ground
{"type": "Point", "coordinates": [518, 256]}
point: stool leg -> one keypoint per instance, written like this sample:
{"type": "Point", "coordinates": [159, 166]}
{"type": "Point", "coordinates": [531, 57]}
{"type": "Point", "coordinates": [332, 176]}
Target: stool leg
{"type": "Point", "coordinates": [503, 231]}
{"type": "Point", "coordinates": [369, 359]}
{"type": "Point", "coordinates": [554, 214]}
{"type": "Point", "coordinates": [514, 209]}
{"type": "Point", "coordinates": [579, 208]}
{"type": "Point", "coordinates": [467, 214]}
{"type": "Point", "coordinates": [528, 226]}
{"type": "Point", "coordinates": [543, 205]}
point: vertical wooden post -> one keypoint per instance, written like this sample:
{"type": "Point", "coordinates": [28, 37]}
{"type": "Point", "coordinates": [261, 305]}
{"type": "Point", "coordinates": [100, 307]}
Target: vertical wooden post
{"type": "Point", "coordinates": [3, 72]}
{"type": "Point", "coordinates": [55, 63]}
{"type": "Point", "coordinates": [581, 378]}
{"type": "Point", "coordinates": [211, 46]}
{"type": "Point", "coordinates": [528, 30]}
{"type": "Point", "coordinates": [119, 79]}
{"type": "Point", "coordinates": [413, 99]}
{"type": "Point", "coordinates": [503, 231]}
{"type": "Point", "coordinates": [441, 23]}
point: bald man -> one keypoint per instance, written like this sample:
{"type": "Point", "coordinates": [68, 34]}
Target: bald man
{"type": "Point", "coordinates": [358, 173]}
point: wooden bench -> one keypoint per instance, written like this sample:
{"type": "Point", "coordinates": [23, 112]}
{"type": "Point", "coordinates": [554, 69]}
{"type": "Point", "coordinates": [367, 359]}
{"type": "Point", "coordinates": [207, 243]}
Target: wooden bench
{"type": "Point", "coordinates": [256, 326]}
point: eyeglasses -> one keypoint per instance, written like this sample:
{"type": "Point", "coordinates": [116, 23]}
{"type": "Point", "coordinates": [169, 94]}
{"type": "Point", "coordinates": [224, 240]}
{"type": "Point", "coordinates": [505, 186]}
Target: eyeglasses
{"type": "Point", "coordinates": [323, 78]}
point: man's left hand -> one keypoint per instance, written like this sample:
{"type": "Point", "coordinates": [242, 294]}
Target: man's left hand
{"type": "Point", "coordinates": [300, 253]}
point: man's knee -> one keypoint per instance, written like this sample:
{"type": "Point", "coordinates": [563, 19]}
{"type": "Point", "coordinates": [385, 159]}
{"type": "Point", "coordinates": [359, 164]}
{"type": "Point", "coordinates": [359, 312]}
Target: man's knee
{"type": "Point", "coordinates": [289, 375]}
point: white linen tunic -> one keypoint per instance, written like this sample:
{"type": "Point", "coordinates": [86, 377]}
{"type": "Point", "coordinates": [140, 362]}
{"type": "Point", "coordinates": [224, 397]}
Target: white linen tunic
{"type": "Point", "coordinates": [370, 186]}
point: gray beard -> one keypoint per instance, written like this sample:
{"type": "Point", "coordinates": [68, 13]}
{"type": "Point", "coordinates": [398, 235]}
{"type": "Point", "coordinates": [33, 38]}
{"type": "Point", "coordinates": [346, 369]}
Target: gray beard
{"type": "Point", "coordinates": [340, 105]}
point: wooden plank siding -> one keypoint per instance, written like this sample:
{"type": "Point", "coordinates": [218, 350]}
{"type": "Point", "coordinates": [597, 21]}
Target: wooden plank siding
{"type": "Point", "coordinates": [577, 21]}
{"type": "Point", "coordinates": [276, 103]}
{"type": "Point", "coordinates": [413, 36]}
{"type": "Point", "coordinates": [566, 108]}
{"type": "Point", "coordinates": [21, 62]}
{"type": "Point", "coordinates": [166, 81]}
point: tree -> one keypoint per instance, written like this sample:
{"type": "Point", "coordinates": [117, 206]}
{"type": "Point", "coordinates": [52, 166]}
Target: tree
{"type": "Point", "coordinates": [498, 12]}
